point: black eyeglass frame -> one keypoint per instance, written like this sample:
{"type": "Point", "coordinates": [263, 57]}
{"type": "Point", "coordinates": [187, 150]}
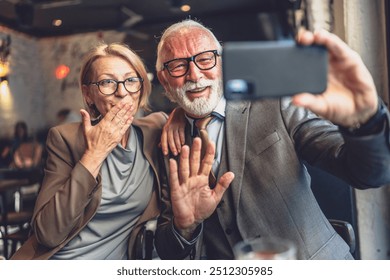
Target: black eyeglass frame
{"type": "Point", "coordinates": [141, 80]}
{"type": "Point", "coordinates": [189, 59]}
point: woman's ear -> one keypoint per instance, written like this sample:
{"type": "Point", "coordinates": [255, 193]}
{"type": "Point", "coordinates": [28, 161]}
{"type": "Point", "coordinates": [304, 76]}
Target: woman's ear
{"type": "Point", "coordinates": [86, 97]}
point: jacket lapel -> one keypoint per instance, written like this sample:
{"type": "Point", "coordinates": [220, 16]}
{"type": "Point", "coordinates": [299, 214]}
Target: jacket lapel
{"type": "Point", "coordinates": [236, 125]}
{"type": "Point", "coordinates": [149, 150]}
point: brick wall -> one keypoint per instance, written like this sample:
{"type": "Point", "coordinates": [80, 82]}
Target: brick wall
{"type": "Point", "coordinates": [35, 93]}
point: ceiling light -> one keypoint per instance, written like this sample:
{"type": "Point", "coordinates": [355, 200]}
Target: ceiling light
{"type": "Point", "coordinates": [185, 8]}
{"type": "Point", "coordinates": [57, 22]}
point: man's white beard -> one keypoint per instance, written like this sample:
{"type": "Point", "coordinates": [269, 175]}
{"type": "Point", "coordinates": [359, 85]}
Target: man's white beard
{"type": "Point", "coordinates": [200, 106]}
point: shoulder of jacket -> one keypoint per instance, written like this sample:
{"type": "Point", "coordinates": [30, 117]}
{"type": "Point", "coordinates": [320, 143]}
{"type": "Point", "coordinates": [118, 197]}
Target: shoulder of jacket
{"type": "Point", "coordinates": [69, 131]}
{"type": "Point", "coordinates": [155, 120]}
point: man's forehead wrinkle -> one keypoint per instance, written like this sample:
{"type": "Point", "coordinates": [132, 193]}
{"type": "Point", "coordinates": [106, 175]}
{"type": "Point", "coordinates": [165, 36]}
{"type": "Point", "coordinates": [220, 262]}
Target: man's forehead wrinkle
{"type": "Point", "coordinates": [174, 44]}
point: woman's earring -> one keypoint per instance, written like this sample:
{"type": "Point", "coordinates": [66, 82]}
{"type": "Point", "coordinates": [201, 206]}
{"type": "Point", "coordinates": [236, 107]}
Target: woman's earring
{"type": "Point", "coordinates": [95, 114]}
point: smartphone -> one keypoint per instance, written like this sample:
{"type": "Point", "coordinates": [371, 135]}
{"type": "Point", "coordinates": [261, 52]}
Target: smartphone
{"type": "Point", "coordinates": [264, 69]}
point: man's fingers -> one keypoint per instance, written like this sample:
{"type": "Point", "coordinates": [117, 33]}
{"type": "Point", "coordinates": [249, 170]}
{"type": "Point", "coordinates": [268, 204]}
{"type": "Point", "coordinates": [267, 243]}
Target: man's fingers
{"type": "Point", "coordinates": [208, 159]}
{"type": "Point", "coordinates": [195, 156]}
{"type": "Point", "coordinates": [315, 103]}
{"type": "Point", "coordinates": [173, 176]}
{"type": "Point", "coordinates": [171, 142]}
{"type": "Point", "coordinates": [177, 141]}
{"type": "Point", "coordinates": [338, 49]}
{"type": "Point", "coordinates": [222, 185]}
{"type": "Point", "coordinates": [184, 168]}
{"type": "Point", "coordinates": [305, 37]}
{"type": "Point", "coordinates": [182, 135]}
{"type": "Point", "coordinates": [164, 142]}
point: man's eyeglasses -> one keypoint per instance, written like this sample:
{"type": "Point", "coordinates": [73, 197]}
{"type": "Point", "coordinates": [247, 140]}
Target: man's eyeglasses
{"type": "Point", "coordinates": [178, 67]}
{"type": "Point", "coordinates": [110, 86]}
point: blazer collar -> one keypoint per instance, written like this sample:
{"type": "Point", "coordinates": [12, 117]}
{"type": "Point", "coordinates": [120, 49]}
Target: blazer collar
{"type": "Point", "coordinates": [149, 148]}
{"type": "Point", "coordinates": [236, 126]}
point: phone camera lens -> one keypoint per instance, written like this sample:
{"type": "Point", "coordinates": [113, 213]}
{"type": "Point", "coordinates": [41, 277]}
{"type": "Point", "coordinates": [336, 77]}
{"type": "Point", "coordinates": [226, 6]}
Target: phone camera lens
{"type": "Point", "coordinates": [237, 86]}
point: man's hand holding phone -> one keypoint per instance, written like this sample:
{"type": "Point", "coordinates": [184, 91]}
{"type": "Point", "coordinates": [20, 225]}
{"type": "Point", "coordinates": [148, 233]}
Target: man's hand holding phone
{"type": "Point", "coordinates": [351, 97]}
{"type": "Point", "coordinates": [321, 72]}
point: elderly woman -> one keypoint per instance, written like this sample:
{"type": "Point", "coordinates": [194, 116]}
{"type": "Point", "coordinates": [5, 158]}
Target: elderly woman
{"type": "Point", "coordinates": [101, 175]}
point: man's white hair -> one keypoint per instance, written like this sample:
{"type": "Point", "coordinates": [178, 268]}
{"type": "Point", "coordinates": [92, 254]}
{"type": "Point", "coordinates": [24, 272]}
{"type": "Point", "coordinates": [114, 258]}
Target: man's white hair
{"type": "Point", "coordinates": [178, 27]}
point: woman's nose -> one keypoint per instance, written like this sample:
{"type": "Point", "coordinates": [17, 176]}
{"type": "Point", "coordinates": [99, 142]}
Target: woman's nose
{"type": "Point", "coordinates": [121, 90]}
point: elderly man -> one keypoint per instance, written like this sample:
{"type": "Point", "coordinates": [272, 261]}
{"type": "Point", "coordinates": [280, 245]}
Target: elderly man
{"type": "Point", "coordinates": [262, 145]}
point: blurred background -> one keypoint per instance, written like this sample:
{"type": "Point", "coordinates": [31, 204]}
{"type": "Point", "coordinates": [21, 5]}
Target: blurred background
{"type": "Point", "coordinates": [42, 42]}
{"type": "Point", "coordinates": [46, 40]}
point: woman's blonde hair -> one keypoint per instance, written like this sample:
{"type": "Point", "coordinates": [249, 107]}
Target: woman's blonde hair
{"type": "Point", "coordinates": [122, 51]}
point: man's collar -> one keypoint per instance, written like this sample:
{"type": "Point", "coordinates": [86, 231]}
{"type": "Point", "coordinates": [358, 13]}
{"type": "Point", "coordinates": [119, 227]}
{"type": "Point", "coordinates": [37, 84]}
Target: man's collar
{"type": "Point", "coordinates": [218, 112]}
{"type": "Point", "coordinates": [221, 107]}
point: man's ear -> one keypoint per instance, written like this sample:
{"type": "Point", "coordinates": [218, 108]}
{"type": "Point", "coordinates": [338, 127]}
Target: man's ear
{"type": "Point", "coordinates": [162, 79]}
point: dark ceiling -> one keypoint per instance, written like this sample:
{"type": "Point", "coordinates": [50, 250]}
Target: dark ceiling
{"type": "Point", "coordinates": [144, 20]}
{"type": "Point", "coordinates": [35, 17]}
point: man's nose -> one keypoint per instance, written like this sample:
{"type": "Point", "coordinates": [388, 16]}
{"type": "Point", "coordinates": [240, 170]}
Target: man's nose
{"type": "Point", "coordinates": [194, 73]}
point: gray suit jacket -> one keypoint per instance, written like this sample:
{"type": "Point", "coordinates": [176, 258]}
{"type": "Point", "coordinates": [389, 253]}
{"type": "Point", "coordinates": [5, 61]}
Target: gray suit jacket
{"type": "Point", "coordinates": [265, 144]}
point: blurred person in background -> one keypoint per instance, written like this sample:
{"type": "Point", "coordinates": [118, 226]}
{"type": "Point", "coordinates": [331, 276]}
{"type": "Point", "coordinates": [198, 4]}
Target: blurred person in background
{"type": "Point", "coordinates": [24, 152]}
{"type": "Point", "coordinates": [66, 115]}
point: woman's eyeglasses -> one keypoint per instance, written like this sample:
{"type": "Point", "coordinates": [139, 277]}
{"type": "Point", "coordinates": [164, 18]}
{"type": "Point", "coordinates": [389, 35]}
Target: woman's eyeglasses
{"type": "Point", "coordinates": [110, 86]}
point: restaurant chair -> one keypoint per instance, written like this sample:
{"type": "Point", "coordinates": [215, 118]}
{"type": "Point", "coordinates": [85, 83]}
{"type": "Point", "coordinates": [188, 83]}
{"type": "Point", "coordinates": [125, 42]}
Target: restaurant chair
{"type": "Point", "coordinates": [144, 243]}
{"type": "Point", "coordinates": [345, 230]}
{"type": "Point", "coordinates": [14, 225]}
{"type": "Point", "coordinates": [337, 200]}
